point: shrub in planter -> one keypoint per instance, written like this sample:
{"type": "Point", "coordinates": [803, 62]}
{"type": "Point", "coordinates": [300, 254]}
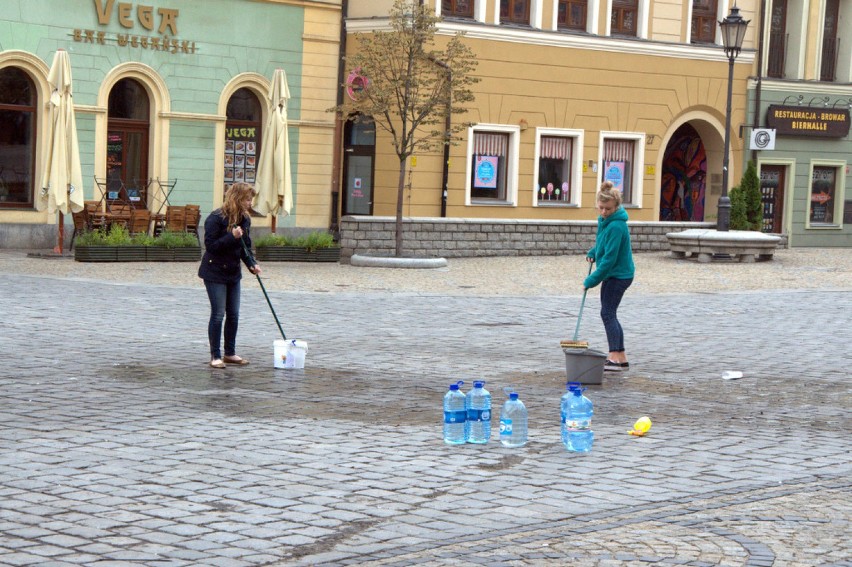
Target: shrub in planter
{"type": "Point", "coordinates": [317, 246]}
{"type": "Point", "coordinates": [174, 246]}
{"type": "Point", "coordinates": [114, 245]}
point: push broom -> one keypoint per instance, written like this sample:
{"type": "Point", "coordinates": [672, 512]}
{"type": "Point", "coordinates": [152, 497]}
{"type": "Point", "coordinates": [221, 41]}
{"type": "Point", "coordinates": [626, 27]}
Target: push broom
{"type": "Point", "coordinates": [251, 257]}
{"type": "Point", "coordinates": [574, 343]}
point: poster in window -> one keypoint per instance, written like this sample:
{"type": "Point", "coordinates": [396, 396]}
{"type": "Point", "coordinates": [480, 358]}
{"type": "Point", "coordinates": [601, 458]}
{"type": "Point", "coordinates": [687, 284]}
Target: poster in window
{"type": "Point", "coordinates": [240, 147]}
{"type": "Point", "coordinates": [822, 195]}
{"type": "Point", "coordinates": [239, 160]}
{"type": "Point", "coordinates": [229, 174]}
{"type": "Point", "coordinates": [614, 172]}
{"type": "Point", "coordinates": [249, 176]}
{"type": "Point", "coordinates": [239, 174]}
{"type": "Point", "coordinates": [250, 161]}
{"type": "Point", "coordinates": [485, 172]}
{"type": "Point", "coordinates": [251, 148]}
{"type": "Point", "coordinates": [229, 160]}
{"type": "Point", "coordinates": [229, 146]}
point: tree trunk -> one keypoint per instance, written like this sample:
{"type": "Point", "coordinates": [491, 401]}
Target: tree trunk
{"type": "Point", "coordinates": [399, 193]}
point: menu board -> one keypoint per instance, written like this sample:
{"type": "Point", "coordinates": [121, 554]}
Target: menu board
{"type": "Point", "coordinates": [240, 155]}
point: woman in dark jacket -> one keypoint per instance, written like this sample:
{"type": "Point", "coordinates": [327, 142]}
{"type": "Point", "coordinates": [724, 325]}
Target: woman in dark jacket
{"type": "Point", "coordinates": [220, 269]}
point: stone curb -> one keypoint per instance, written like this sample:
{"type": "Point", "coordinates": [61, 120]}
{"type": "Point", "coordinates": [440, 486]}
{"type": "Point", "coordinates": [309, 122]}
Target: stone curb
{"type": "Point", "coordinates": [394, 262]}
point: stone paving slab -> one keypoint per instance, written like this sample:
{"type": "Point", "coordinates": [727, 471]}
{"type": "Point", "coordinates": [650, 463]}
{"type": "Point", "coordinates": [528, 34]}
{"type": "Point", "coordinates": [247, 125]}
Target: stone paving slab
{"type": "Point", "coordinates": [118, 445]}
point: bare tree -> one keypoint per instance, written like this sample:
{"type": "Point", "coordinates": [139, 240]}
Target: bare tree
{"type": "Point", "coordinates": [410, 88]}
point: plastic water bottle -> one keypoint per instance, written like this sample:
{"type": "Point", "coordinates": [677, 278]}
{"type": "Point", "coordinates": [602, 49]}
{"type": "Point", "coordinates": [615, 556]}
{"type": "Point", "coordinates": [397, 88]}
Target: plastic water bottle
{"type": "Point", "coordinates": [577, 434]}
{"type": "Point", "coordinates": [478, 405]}
{"type": "Point", "coordinates": [513, 422]}
{"type": "Point", "coordinates": [454, 415]}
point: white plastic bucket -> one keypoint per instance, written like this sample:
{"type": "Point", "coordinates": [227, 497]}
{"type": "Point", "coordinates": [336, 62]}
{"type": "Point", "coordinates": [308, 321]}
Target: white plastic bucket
{"type": "Point", "coordinates": [290, 353]}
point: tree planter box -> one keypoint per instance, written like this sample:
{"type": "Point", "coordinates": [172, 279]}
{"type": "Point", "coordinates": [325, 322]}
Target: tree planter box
{"type": "Point", "coordinates": [161, 254]}
{"type": "Point", "coordinates": [136, 254]}
{"type": "Point", "coordinates": [130, 253]}
{"type": "Point", "coordinates": [95, 254]}
{"type": "Point", "coordinates": [297, 254]}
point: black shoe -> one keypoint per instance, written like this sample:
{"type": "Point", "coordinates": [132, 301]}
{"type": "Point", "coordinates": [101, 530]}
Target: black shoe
{"type": "Point", "coordinates": [611, 366]}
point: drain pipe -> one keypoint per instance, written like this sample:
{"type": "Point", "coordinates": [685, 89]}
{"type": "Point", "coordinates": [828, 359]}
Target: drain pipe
{"type": "Point", "coordinates": [448, 124]}
{"type": "Point", "coordinates": [336, 164]}
{"type": "Point", "coordinates": [755, 123]}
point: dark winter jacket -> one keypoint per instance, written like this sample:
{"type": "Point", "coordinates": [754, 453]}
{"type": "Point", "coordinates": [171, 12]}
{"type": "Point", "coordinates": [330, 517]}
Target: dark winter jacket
{"type": "Point", "coordinates": [223, 252]}
{"type": "Point", "coordinates": [611, 252]}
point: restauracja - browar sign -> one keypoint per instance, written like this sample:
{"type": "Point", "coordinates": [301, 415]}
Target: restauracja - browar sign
{"type": "Point", "coordinates": [164, 21]}
{"type": "Point", "coordinates": [805, 121]}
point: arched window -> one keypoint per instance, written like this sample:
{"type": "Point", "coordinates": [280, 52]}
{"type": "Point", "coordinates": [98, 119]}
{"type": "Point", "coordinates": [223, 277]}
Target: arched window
{"type": "Point", "coordinates": [127, 144]}
{"type": "Point", "coordinates": [17, 138]}
{"type": "Point", "coordinates": [243, 131]}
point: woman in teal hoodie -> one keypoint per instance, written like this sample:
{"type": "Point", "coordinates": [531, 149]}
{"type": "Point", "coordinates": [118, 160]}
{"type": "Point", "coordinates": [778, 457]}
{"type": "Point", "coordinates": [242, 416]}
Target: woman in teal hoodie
{"type": "Point", "coordinates": [614, 270]}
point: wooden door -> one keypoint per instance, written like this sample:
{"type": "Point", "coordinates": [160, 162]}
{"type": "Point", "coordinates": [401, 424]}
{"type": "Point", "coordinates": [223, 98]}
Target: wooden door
{"type": "Point", "coordinates": [772, 184]}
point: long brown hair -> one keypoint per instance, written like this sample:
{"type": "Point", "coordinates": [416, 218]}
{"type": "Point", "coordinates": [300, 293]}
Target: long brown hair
{"type": "Point", "coordinates": [233, 208]}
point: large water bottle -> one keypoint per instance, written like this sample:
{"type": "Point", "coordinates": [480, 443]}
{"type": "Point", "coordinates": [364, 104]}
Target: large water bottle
{"type": "Point", "coordinates": [478, 405]}
{"type": "Point", "coordinates": [454, 415]}
{"type": "Point", "coordinates": [577, 411]}
{"type": "Point", "coordinates": [513, 422]}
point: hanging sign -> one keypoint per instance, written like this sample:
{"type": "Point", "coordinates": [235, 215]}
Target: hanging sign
{"type": "Point", "coordinates": [810, 122]}
{"type": "Point", "coordinates": [762, 139]}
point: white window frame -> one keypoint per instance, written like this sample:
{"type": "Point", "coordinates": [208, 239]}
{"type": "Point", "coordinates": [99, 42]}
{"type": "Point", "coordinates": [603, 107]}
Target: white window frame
{"type": "Point", "coordinates": [592, 11]}
{"type": "Point", "coordinates": [721, 14]}
{"type": "Point", "coordinates": [478, 9]}
{"type": "Point", "coordinates": [642, 23]}
{"type": "Point", "coordinates": [839, 194]}
{"type": "Point", "coordinates": [638, 163]}
{"type": "Point", "coordinates": [577, 138]}
{"type": "Point", "coordinates": [511, 165]}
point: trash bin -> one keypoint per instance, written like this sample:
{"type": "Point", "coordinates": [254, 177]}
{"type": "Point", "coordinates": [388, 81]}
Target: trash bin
{"type": "Point", "coordinates": [584, 365]}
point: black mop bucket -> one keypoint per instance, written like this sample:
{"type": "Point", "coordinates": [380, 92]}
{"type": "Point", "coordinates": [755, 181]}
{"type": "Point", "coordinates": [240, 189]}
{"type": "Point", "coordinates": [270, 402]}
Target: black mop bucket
{"type": "Point", "coordinates": [584, 365]}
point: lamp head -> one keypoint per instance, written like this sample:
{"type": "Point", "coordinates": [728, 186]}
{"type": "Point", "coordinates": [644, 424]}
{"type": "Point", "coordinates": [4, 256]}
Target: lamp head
{"type": "Point", "coordinates": [733, 32]}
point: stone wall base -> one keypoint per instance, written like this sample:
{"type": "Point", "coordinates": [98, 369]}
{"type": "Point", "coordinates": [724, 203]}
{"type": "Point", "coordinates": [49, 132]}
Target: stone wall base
{"type": "Point", "coordinates": [459, 238]}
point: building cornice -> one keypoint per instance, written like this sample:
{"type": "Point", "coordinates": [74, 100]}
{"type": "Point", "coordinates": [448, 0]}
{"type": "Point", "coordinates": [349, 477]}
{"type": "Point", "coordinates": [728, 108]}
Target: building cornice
{"type": "Point", "coordinates": [548, 38]}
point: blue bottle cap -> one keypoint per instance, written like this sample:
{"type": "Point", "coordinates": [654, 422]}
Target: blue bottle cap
{"type": "Point", "coordinates": [574, 385]}
{"type": "Point", "coordinates": [513, 396]}
{"type": "Point", "coordinates": [478, 384]}
{"type": "Point", "coordinates": [454, 387]}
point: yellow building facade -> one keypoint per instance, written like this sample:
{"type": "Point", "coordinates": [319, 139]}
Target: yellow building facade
{"type": "Point", "coordinates": [570, 94]}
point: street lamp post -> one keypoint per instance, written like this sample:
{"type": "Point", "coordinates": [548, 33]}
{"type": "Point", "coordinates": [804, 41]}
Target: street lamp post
{"type": "Point", "coordinates": [733, 31]}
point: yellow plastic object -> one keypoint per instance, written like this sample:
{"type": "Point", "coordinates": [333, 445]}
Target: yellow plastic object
{"type": "Point", "coordinates": [641, 427]}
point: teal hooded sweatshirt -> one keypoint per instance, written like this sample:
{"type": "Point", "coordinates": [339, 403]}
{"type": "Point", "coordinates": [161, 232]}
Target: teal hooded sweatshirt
{"type": "Point", "coordinates": [611, 252]}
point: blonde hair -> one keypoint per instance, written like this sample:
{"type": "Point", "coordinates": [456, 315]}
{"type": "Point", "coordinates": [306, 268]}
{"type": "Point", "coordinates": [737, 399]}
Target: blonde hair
{"type": "Point", "coordinates": [608, 193]}
{"type": "Point", "coordinates": [233, 208]}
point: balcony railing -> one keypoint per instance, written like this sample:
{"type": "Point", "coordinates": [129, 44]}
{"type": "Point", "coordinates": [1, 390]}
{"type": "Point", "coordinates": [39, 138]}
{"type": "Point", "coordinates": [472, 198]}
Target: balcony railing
{"type": "Point", "coordinates": [777, 55]}
{"type": "Point", "coordinates": [830, 49]}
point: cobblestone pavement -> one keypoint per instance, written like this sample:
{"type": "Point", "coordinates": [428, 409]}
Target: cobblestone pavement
{"type": "Point", "coordinates": [120, 446]}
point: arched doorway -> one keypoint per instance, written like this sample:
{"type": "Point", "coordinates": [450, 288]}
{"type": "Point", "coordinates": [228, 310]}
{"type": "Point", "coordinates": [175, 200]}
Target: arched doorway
{"type": "Point", "coordinates": [17, 138]}
{"type": "Point", "coordinates": [359, 147]}
{"type": "Point", "coordinates": [243, 133]}
{"type": "Point", "coordinates": [684, 179]}
{"type": "Point", "coordinates": [127, 144]}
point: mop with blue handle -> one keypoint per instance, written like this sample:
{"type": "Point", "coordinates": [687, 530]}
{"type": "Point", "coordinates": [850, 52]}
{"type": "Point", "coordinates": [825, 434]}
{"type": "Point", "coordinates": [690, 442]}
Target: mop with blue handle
{"type": "Point", "coordinates": [574, 343]}
{"type": "Point", "coordinates": [254, 262]}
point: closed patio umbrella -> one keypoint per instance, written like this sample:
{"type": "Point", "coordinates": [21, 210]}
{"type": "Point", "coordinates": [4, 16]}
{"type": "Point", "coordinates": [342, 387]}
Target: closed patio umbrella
{"type": "Point", "coordinates": [273, 169]}
{"type": "Point", "coordinates": [62, 182]}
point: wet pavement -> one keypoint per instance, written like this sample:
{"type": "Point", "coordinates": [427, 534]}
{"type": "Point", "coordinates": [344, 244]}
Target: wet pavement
{"type": "Point", "coordinates": [120, 446]}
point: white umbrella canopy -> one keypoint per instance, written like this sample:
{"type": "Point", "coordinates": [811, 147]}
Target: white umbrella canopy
{"type": "Point", "coordinates": [272, 182]}
{"type": "Point", "coordinates": [62, 182]}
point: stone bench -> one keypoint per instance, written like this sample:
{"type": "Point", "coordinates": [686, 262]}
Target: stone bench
{"type": "Point", "coordinates": [746, 245]}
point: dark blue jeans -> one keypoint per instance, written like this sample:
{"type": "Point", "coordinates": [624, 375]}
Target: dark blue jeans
{"type": "Point", "coordinates": [224, 305]}
{"type": "Point", "coordinates": [612, 290]}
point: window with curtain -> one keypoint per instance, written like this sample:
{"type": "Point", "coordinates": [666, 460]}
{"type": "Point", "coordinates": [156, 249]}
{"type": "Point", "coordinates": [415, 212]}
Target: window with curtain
{"type": "Point", "coordinates": [625, 18]}
{"type": "Point", "coordinates": [619, 159]}
{"type": "Point", "coordinates": [489, 166]}
{"type": "Point", "coordinates": [243, 134]}
{"type": "Point", "coordinates": [457, 8]}
{"type": "Point", "coordinates": [17, 138]}
{"type": "Point", "coordinates": [515, 12]}
{"type": "Point", "coordinates": [554, 170]}
{"type": "Point", "coordinates": [571, 14]}
{"type": "Point", "coordinates": [704, 21]}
